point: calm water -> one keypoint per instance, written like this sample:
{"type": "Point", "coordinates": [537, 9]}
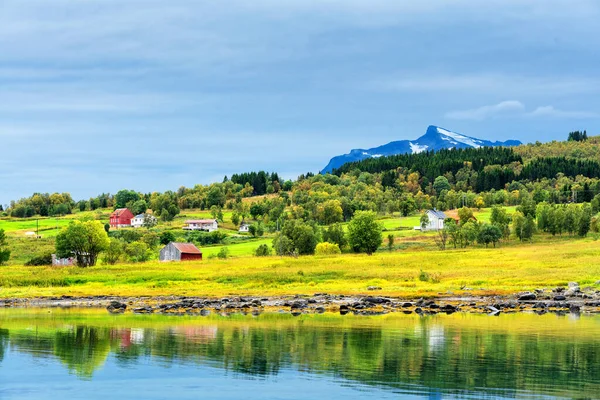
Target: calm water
{"type": "Point", "coordinates": [69, 354]}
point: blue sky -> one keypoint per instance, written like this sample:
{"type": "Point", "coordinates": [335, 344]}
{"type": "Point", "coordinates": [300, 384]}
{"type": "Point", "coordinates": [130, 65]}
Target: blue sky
{"type": "Point", "coordinates": [100, 95]}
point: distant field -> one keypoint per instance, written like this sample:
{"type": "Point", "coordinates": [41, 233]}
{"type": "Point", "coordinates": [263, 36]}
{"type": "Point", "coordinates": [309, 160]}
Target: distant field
{"type": "Point", "coordinates": [483, 271]}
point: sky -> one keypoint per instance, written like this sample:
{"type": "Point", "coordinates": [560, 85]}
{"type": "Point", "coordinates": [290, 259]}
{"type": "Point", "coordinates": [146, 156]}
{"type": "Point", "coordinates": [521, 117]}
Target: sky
{"type": "Point", "coordinates": [102, 95]}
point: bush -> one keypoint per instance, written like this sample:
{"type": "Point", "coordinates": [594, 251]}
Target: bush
{"type": "Point", "coordinates": [262, 251]}
{"type": "Point", "coordinates": [206, 238]}
{"type": "Point", "coordinates": [167, 237]}
{"type": "Point", "coordinates": [364, 232]}
{"type": "Point", "coordinates": [325, 248]}
{"type": "Point", "coordinates": [43, 259]}
{"type": "Point", "coordinates": [138, 252]}
{"type": "Point", "coordinates": [114, 252]}
{"type": "Point", "coordinates": [223, 253]}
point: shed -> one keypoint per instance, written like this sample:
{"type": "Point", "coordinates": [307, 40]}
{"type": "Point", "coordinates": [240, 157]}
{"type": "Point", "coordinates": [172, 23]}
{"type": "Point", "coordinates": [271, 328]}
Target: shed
{"type": "Point", "coordinates": [180, 252]}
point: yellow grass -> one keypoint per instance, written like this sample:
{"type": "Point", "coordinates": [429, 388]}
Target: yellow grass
{"type": "Point", "coordinates": [485, 271]}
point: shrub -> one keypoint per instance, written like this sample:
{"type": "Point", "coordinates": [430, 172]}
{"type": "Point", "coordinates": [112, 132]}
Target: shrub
{"type": "Point", "coordinates": [262, 251]}
{"type": "Point", "coordinates": [223, 253]}
{"type": "Point", "coordinates": [43, 259]}
{"type": "Point", "coordinates": [326, 248]}
{"type": "Point", "coordinates": [138, 252]}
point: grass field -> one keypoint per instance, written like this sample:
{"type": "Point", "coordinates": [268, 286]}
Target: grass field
{"type": "Point", "coordinates": [484, 271]}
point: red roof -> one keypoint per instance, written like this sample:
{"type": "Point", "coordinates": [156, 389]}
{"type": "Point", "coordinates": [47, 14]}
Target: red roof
{"type": "Point", "coordinates": [118, 212]}
{"type": "Point", "coordinates": [187, 248]}
{"type": "Point", "coordinates": [200, 221]}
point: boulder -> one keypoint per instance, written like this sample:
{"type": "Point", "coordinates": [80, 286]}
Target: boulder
{"type": "Point", "coordinates": [449, 308]}
{"type": "Point", "coordinates": [116, 307]}
{"type": "Point", "coordinates": [527, 297]}
{"type": "Point", "coordinates": [560, 297]}
{"type": "Point", "coordinates": [572, 285]}
{"type": "Point", "coordinates": [376, 300]}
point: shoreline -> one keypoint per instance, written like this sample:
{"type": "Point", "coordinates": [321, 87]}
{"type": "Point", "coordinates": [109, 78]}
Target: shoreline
{"type": "Point", "coordinates": [560, 300]}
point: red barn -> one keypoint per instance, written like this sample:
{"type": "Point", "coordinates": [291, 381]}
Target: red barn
{"type": "Point", "coordinates": [180, 252]}
{"type": "Point", "coordinates": [120, 218]}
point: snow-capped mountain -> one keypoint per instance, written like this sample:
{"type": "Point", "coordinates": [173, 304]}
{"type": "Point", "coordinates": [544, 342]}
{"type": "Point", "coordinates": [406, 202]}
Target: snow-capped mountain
{"type": "Point", "coordinates": [435, 138]}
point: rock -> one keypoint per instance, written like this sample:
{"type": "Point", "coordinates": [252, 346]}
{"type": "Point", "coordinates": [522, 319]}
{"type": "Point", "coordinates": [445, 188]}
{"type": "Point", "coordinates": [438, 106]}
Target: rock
{"type": "Point", "coordinates": [558, 289]}
{"type": "Point", "coordinates": [256, 303]}
{"type": "Point", "coordinates": [116, 307]}
{"type": "Point", "coordinates": [418, 310]}
{"type": "Point", "coordinates": [376, 300]}
{"type": "Point", "coordinates": [575, 309]}
{"type": "Point", "coordinates": [527, 297]}
{"type": "Point", "coordinates": [373, 288]}
{"type": "Point", "coordinates": [571, 292]}
{"type": "Point", "coordinates": [560, 297]}
{"type": "Point", "coordinates": [320, 310]}
{"type": "Point", "coordinates": [298, 305]}
{"type": "Point", "coordinates": [407, 305]}
{"type": "Point", "coordinates": [539, 291]}
{"type": "Point", "coordinates": [493, 309]}
{"type": "Point", "coordinates": [449, 308]}
{"type": "Point", "coordinates": [572, 285]}
{"type": "Point", "coordinates": [143, 310]}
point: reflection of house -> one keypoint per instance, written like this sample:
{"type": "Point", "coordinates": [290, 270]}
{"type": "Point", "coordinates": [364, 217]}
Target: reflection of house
{"type": "Point", "coordinates": [139, 220]}
{"type": "Point", "coordinates": [180, 252]}
{"type": "Point", "coordinates": [436, 220]}
{"type": "Point", "coordinates": [121, 218]}
{"type": "Point", "coordinates": [207, 225]}
{"type": "Point", "coordinates": [244, 227]}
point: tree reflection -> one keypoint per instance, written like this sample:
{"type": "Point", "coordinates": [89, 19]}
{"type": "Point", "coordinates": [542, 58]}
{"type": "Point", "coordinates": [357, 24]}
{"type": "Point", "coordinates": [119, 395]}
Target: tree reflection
{"type": "Point", "coordinates": [420, 352]}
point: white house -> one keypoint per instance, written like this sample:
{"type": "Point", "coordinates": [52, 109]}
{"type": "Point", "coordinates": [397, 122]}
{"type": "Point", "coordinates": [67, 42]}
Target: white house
{"type": "Point", "coordinates": [139, 220]}
{"type": "Point", "coordinates": [244, 227]}
{"type": "Point", "coordinates": [436, 220]}
{"type": "Point", "coordinates": [208, 225]}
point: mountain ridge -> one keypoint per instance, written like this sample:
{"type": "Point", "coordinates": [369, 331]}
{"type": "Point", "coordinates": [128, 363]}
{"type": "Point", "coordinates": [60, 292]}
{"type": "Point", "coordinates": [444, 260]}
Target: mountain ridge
{"type": "Point", "coordinates": [435, 138]}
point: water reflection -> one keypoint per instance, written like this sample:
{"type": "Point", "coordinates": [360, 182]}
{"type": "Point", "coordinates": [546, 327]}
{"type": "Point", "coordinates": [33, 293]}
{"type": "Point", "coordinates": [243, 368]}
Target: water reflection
{"type": "Point", "coordinates": [507, 355]}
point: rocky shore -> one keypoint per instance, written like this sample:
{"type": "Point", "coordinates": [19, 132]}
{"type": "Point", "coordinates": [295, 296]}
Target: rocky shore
{"type": "Point", "coordinates": [571, 299]}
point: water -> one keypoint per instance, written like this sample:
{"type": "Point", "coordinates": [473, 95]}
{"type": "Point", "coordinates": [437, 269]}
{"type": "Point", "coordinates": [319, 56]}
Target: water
{"type": "Point", "coordinates": [58, 354]}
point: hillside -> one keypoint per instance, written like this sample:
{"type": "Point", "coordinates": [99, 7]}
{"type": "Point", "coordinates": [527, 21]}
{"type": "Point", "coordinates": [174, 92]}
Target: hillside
{"type": "Point", "coordinates": [588, 150]}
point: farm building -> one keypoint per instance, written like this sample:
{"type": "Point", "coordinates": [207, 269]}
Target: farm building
{"type": "Point", "coordinates": [121, 218]}
{"type": "Point", "coordinates": [244, 227]}
{"type": "Point", "coordinates": [207, 225]}
{"type": "Point", "coordinates": [436, 220]}
{"type": "Point", "coordinates": [139, 220]}
{"type": "Point", "coordinates": [180, 252]}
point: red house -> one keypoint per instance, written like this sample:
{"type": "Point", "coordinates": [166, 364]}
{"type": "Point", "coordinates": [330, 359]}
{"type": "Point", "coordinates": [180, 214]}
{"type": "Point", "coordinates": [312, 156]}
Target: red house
{"type": "Point", "coordinates": [121, 218]}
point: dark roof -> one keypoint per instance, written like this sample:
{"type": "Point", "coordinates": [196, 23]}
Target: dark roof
{"type": "Point", "coordinates": [438, 214]}
{"type": "Point", "coordinates": [187, 248]}
{"type": "Point", "coordinates": [144, 216]}
{"type": "Point", "coordinates": [200, 221]}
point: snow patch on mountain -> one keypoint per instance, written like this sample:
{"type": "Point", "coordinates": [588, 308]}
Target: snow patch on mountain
{"type": "Point", "coordinates": [459, 138]}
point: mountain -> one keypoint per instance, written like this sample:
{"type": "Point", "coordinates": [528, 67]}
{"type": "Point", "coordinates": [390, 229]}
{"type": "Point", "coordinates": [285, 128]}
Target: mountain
{"type": "Point", "coordinates": [435, 138]}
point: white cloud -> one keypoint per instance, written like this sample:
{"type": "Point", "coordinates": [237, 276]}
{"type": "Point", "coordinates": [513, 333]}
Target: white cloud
{"type": "Point", "coordinates": [550, 111]}
{"type": "Point", "coordinates": [509, 107]}
{"type": "Point", "coordinates": [514, 108]}
{"type": "Point", "coordinates": [486, 83]}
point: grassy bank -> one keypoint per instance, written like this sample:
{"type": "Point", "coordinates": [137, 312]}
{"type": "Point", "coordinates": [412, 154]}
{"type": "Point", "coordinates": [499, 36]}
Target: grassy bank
{"type": "Point", "coordinates": [409, 273]}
